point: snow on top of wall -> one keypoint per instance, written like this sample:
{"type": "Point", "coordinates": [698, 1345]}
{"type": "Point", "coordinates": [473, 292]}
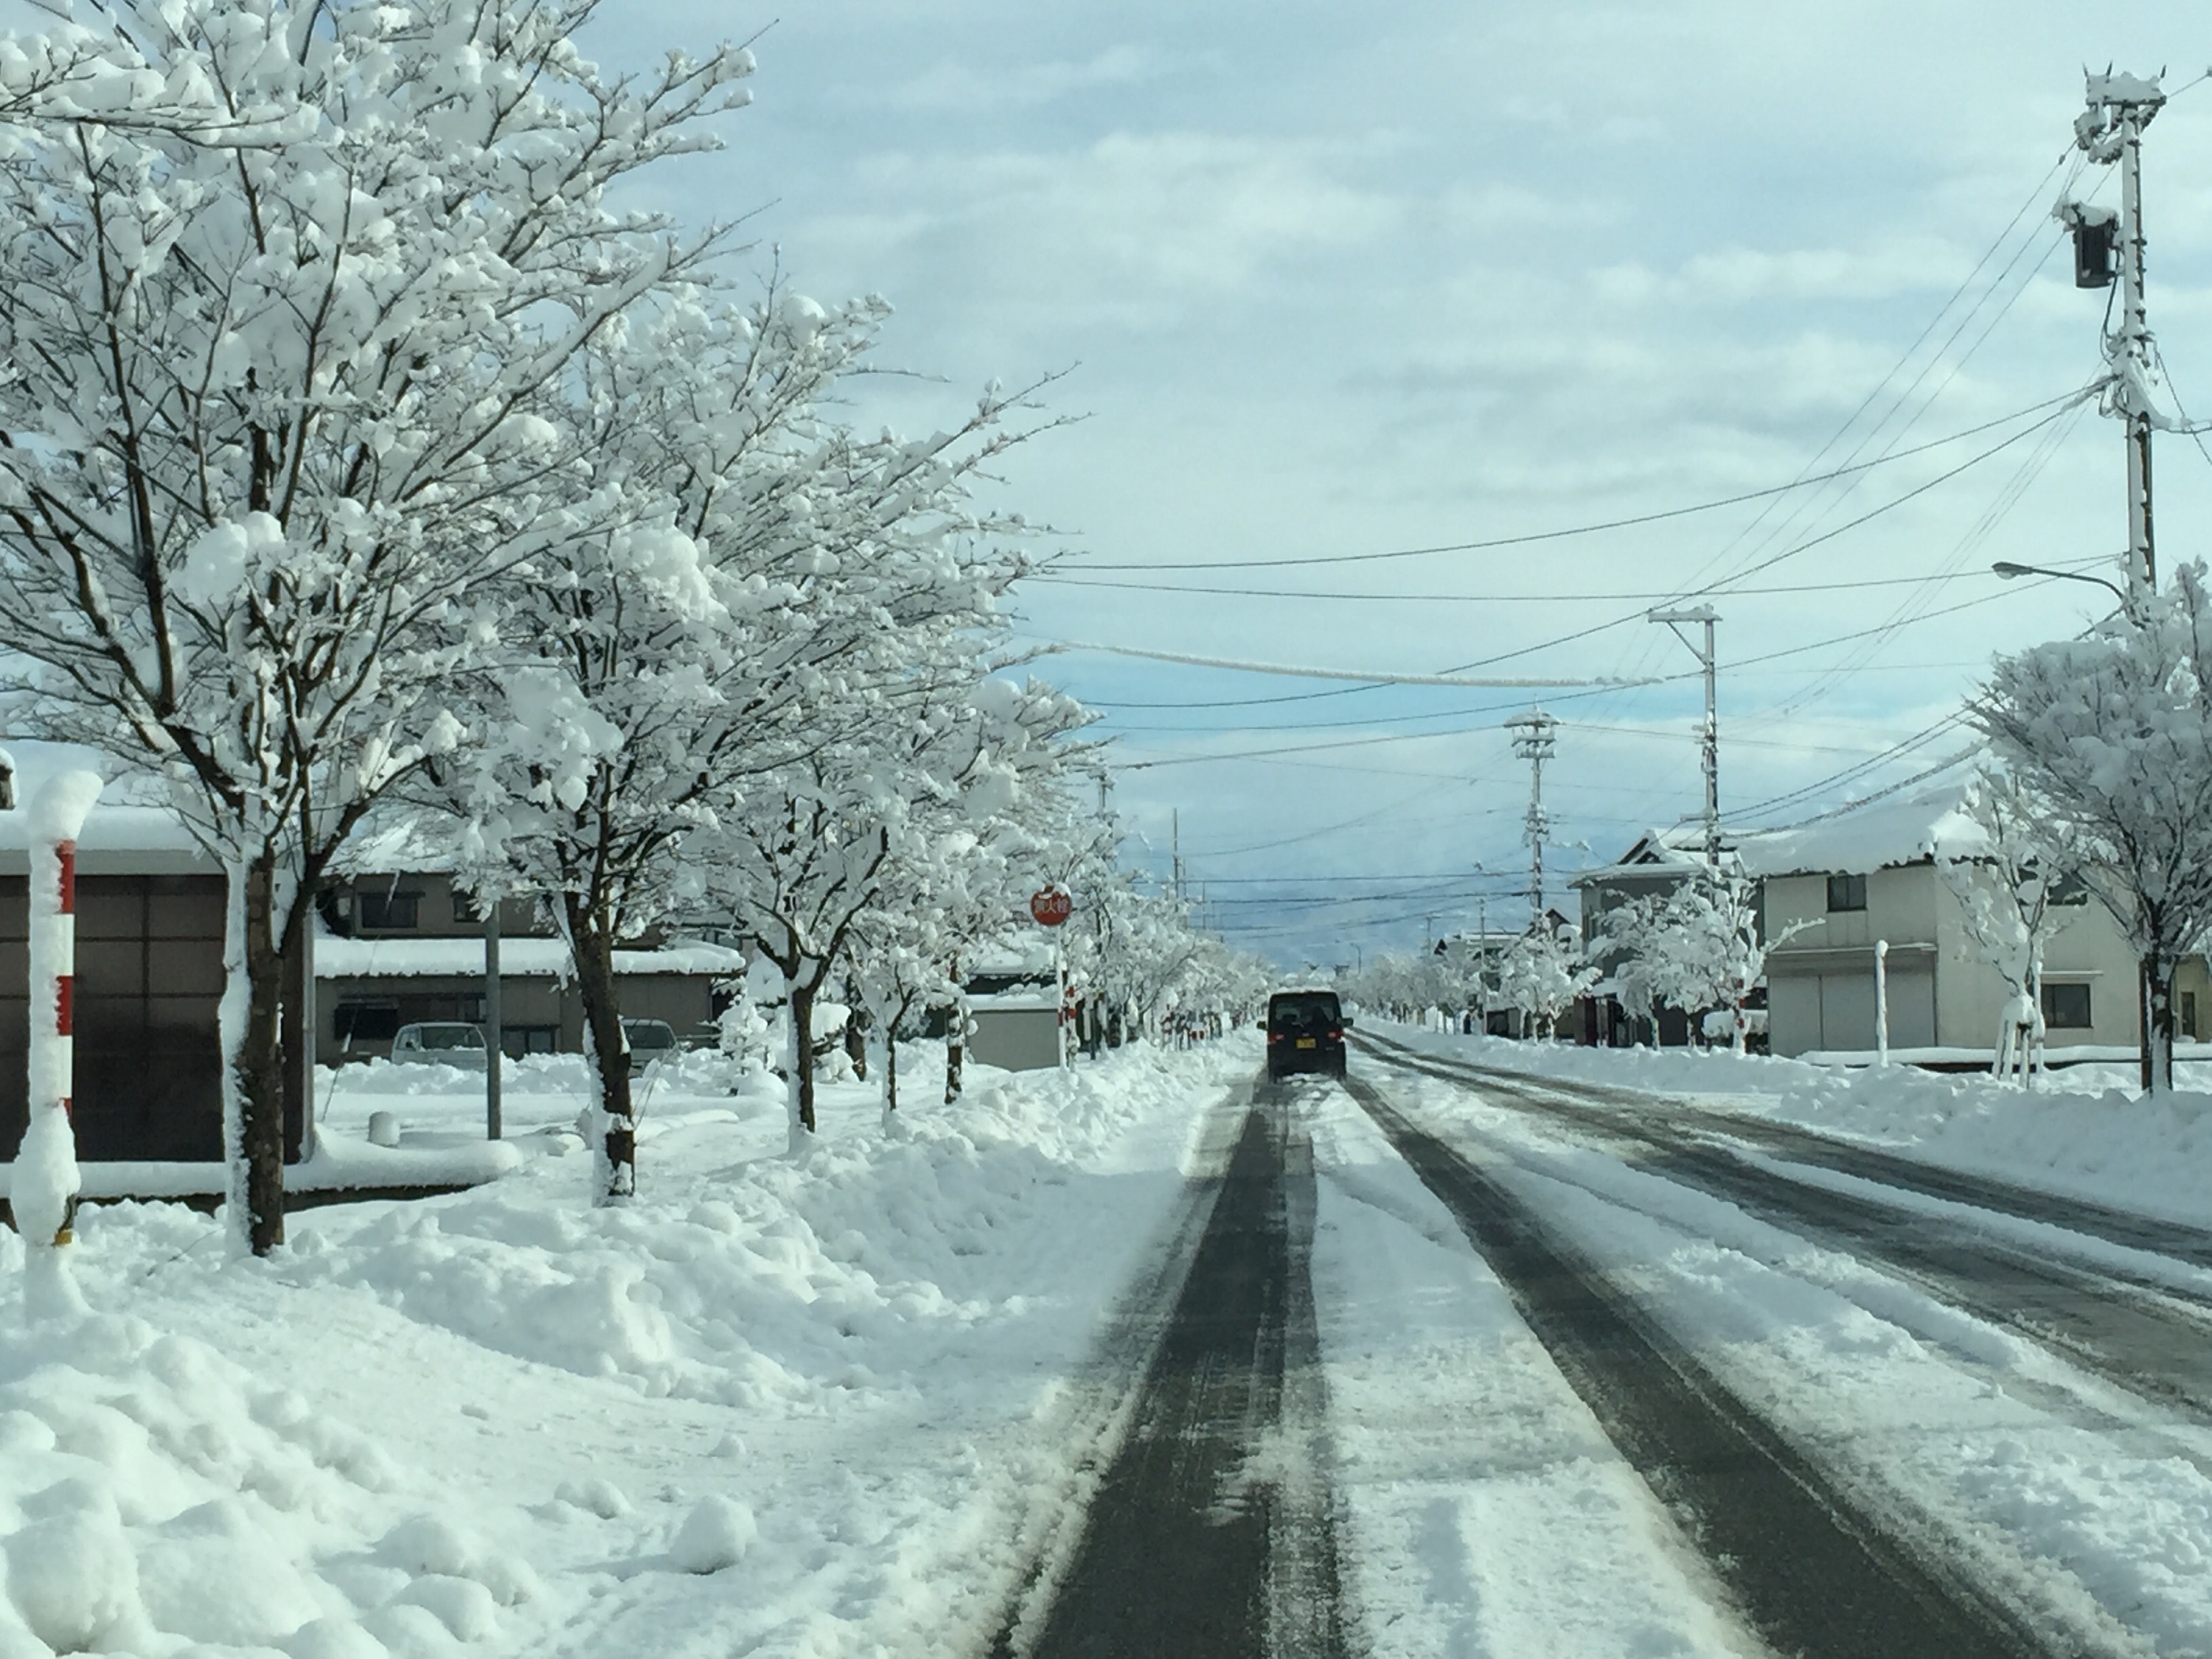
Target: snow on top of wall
{"type": "Point", "coordinates": [527, 958]}
{"type": "Point", "coordinates": [1879, 836]}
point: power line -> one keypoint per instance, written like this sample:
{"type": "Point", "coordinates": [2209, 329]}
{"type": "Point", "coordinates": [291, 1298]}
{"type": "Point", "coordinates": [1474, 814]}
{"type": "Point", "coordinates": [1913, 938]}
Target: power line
{"type": "Point", "coordinates": [1896, 751]}
{"type": "Point", "coordinates": [1405, 737]}
{"type": "Point", "coordinates": [1717, 590]}
{"type": "Point", "coordinates": [1630, 523]}
{"type": "Point", "coordinates": [1997, 243]}
{"type": "Point", "coordinates": [1655, 596]}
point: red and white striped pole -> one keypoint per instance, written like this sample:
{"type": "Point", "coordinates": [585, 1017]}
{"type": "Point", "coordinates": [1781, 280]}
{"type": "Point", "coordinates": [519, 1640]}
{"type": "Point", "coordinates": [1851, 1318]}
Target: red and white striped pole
{"type": "Point", "coordinates": [47, 1182]}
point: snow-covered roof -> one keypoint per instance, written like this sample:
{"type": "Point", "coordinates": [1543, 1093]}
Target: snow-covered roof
{"type": "Point", "coordinates": [1656, 853]}
{"type": "Point", "coordinates": [527, 958]}
{"type": "Point", "coordinates": [1877, 836]}
{"type": "Point", "coordinates": [1011, 962]}
{"type": "Point", "coordinates": [1013, 1002]}
{"type": "Point", "coordinates": [131, 831]}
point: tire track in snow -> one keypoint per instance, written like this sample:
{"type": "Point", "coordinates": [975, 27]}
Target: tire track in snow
{"type": "Point", "coordinates": [1212, 1531]}
{"type": "Point", "coordinates": [1812, 1573]}
{"type": "Point", "coordinates": [2174, 1239]}
{"type": "Point", "coordinates": [2152, 1339]}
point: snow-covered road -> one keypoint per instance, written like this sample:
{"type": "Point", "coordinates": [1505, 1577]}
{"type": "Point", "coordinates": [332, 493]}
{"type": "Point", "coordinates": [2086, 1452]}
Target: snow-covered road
{"type": "Point", "coordinates": [1496, 1352]}
{"type": "Point", "coordinates": [2011, 1405]}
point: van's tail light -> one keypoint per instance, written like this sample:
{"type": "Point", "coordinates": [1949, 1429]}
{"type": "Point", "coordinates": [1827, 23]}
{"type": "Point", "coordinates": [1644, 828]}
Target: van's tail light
{"type": "Point", "coordinates": [1336, 1036]}
{"type": "Point", "coordinates": [1274, 1037]}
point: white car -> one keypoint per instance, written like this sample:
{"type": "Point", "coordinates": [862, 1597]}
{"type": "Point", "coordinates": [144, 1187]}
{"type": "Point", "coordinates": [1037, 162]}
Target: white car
{"type": "Point", "coordinates": [440, 1042]}
{"type": "Point", "coordinates": [649, 1040]}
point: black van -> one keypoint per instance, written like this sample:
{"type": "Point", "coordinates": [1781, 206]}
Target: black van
{"type": "Point", "coordinates": [1305, 1033]}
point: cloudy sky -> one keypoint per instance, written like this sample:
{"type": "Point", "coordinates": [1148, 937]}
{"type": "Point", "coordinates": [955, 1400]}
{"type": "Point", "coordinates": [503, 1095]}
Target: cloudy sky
{"type": "Point", "coordinates": [1327, 282]}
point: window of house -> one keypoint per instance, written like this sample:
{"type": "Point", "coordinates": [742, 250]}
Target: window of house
{"type": "Point", "coordinates": [1846, 892]}
{"type": "Point", "coordinates": [2069, 888]}
{"type": "Point", "coordinates": [389, 909]}
{"type": "Point", "coordinates": [2066, 1007]}
{"type": "Point", "coordinates": [366, 1022]}
{"type": "Point", "coordinates": [465, 907]}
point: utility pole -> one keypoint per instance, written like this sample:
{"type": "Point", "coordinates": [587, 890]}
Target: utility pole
{"type": "Point", "coordinates": [2120, 106]}
{"type": "Point", "coordinates": [1532, 741]}
{"type": "Point", "coordinates": [1712, 743]}
{"type": "Point", "coordinates": [1174, 847]}
{"type": "Point", "coordinates": [2110, 129]}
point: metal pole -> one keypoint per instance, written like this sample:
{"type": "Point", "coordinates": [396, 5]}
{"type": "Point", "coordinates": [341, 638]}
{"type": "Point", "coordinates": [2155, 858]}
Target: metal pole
{"type": "Point", "coordinates": [494, 1036]}
{"type": "Point", "coordinates": [1059, 996]}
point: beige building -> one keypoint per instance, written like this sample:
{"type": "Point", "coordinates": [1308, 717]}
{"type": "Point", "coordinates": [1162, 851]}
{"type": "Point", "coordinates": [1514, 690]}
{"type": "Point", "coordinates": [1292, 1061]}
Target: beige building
{"type": "Point", "coordinates": [1870, 877]}
{"type": "Point", "coordinates": [393, 949]}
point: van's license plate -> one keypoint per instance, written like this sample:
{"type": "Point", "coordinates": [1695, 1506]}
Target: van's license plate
{"type": "Point", "coordinates": [1305, 1043]}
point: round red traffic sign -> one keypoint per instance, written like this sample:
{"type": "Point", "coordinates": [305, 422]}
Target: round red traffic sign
{"type": "Point", "coordinates": [1051, 905]}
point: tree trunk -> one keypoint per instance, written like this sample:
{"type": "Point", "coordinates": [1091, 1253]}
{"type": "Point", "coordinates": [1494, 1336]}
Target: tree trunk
{"type": "Point", "coordinates": [890, 1069]}
{"type": "Point", "coordinates": [2158, 1030]}
{"type": "Point", "coordinates": [259, 1065]}
{"type": "Point", "coordinates": [614, 1154]}
{"type": "Point", "coordinates": [856, 1038]}
{"type": "Point", "coordinates": [799, 1000]}
{"type": "Point", "coordinates": [955, 1033]}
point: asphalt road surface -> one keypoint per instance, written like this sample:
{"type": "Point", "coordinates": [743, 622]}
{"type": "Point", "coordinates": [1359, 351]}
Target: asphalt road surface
{"type": "Point", "coordinates": [1210, 1528]}
{"type": "Point", "coordinates": [1211, 1532]}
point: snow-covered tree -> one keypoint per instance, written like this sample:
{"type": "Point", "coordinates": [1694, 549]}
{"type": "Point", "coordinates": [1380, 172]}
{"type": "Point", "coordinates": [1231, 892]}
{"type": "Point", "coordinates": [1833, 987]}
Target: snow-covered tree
{"type": "Point", "coordinates": [1543, 973]}
{"type": "Point", "coordinates": [2003, 886]}
{"type": "Point", "coordinates": [822, 837]}
{"type": "Point", "coordinates": [2113, 733]}
{"type": "Point", "coordinates": [752, 594]}
{"type": "Point", "coordinates": [282, 287]}
{"type": "Point", "coordinates": [1700, 946]}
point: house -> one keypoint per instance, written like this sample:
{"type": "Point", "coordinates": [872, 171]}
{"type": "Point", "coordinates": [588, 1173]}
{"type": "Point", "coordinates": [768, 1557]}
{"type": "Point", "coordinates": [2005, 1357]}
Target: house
{"type": "Point", "coordinates": [1475, 957]}
{"type": "Point", "coordinates": [1659, 862]}
{"type": "Point", "coordinates": [1870, 877]}
{"type": "Point", "coordinates": [151, 909]}
{"type": "Point", "coordinates": [396, 947]}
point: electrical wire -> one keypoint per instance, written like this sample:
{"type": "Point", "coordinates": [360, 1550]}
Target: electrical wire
{"type": "Point", "coordinates": [1536, 536]}
{"type": "Point", "coordinates": [1655, 595]}
{"type": "Point", "coordinates": [1408, 737]}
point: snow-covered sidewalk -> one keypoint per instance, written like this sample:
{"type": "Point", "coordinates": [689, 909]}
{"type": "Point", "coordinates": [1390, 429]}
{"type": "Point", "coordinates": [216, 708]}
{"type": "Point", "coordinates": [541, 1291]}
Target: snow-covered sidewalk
{"type": "Point", "coordinates": [506, 1420]}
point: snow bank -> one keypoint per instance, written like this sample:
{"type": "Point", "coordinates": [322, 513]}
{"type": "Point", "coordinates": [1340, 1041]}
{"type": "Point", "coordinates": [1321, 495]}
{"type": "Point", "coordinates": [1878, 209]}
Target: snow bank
{"type": "Point", "coordinates": [153, 1494]}
{"type": "Point", "coordinates": [774, 1405]}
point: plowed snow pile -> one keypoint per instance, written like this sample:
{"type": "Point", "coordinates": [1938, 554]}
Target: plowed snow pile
{"type": "Point", "coordinates": [786, 1406]}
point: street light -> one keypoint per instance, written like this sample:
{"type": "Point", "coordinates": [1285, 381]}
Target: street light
{"type": "Point", "coordinates": [2007, 570]}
